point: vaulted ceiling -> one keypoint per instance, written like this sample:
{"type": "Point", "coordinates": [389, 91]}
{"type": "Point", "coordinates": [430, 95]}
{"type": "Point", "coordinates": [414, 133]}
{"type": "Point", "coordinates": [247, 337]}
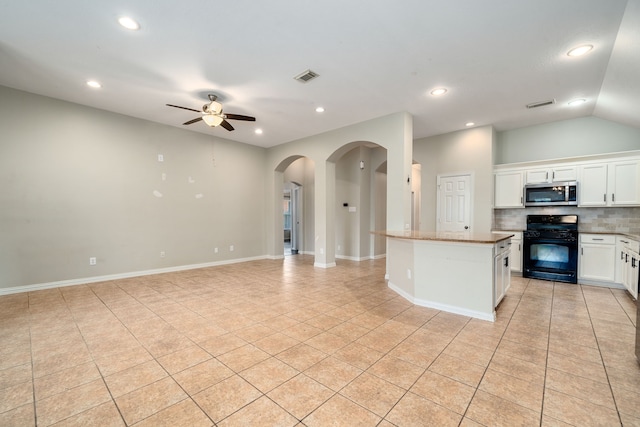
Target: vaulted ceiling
{"type": "Point", "coordinates": [373, 58]}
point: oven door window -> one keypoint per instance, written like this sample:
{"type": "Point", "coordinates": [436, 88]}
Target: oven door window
{"type": "Point", "coordinates": [545, 194]}
{"type": "Point", "coordinates": [549, 256]}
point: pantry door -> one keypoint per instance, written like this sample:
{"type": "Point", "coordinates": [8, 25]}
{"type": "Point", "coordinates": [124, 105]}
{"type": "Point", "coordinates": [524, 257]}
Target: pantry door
{"type": "Point", "coordinates": [454, 203]}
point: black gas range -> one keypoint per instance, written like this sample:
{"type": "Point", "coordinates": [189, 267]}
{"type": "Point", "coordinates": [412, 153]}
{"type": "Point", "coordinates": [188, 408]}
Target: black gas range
{"type": "Point", "coordinates": [550, 248]}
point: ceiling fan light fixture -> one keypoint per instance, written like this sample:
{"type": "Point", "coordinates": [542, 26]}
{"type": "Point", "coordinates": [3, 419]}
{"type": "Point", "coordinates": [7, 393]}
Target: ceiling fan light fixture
{"type": "Point", "coordinates": [213, 107]}
{"type": "Point", "coordinates": [212, 120]}
{"type": "Point", "coordinates": [580, 50]}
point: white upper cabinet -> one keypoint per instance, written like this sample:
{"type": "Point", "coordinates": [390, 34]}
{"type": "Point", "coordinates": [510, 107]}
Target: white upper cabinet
{"type": "Point", "coordinates": [610, 184]}
{"type": "Point", "coordinates": [552, 174]}
{"type": "Point", "coordinates": [623, 183]}
{"type": "Point", "coordinates": [604, 180]}
{"type": "Point", "coordinates": [508, 189]}
{"type": "Point", "coordinates": [592, 185]}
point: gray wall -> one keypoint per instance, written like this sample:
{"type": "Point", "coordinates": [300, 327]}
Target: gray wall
{"type": "Point", "coordinates": [467, 151]}
{"type": "Point", "coordinates": [77, 182]}
{"type": "Point", "coordinates": [567, 138]}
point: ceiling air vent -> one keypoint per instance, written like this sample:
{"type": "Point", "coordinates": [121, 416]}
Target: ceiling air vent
{"type": "Point", "coordinates": [541, 104]}
{"type": "Point", "coordinates": [306, 76]}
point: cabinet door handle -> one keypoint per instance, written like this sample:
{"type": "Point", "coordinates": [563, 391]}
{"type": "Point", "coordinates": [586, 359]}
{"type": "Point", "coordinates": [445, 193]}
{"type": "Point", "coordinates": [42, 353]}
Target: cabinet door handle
{"type": "Point", "coordinates": [633, 262]}
{"type": "Point", "coordinates": [506, 262]}
{"type": "Point", "coordinates": [520, 199]}
{"type": "Point", "coordinates": [553, 176]}
{"type": "Point", "coordinates": [546, 177]}
{"type": "Point", "coordinates": [624, 241]}
{"type": "Point", "coordinates": [581, 251]}
{"type": "Point", "coordinates": [594, 239]}
{"type": "Point", "coordinates": [613, 197]}
{"type": "Point", "coordinates": [605, 197]}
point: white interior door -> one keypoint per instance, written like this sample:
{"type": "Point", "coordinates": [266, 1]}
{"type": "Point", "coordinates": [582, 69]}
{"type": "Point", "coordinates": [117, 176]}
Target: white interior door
{"type": "Point", "coordinates": [454, 203]}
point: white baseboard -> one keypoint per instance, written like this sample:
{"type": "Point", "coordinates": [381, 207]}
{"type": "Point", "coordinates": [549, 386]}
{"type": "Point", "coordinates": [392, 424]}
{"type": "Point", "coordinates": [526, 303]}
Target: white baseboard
{"type": "Point", "coordinates": [359, 259]}
{"type": "Point", "coordinates": [94, 279]}
{"type": "Point", "coordinates": [324, 265]}
{"type": "Point", "coordinates": [443, 307]}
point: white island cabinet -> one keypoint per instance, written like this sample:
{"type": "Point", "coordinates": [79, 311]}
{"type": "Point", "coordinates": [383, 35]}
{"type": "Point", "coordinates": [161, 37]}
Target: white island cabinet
{"type": "Point", "coordinates": [462, 273]}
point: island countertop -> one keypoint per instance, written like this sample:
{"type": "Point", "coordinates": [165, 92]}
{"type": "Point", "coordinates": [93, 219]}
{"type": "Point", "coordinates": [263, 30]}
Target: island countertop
{"type": "Point", "coordinates": [461, 237]}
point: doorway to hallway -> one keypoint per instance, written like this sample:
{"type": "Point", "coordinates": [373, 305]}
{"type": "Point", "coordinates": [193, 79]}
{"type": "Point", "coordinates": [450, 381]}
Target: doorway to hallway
{"type": "Point", "coordinates": [291, 218]}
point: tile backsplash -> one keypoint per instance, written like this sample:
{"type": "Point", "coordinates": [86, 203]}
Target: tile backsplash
{"type": "Point", "coordinates": [613, 220]}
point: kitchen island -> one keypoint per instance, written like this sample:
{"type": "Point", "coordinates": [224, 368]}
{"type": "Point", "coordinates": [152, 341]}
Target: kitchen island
{"type": "Point", "coordinates": [463, 273]}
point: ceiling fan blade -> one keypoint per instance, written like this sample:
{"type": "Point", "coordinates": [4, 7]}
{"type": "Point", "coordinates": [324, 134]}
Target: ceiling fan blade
{"type": "Point", "coordinates": [192, 121]}
{"type": "Point", "coordinates": [240, 117]}
{"type": "Point", "coordinates": [184, 108]}
{"type": "Point", "coordinates": [225, 124]}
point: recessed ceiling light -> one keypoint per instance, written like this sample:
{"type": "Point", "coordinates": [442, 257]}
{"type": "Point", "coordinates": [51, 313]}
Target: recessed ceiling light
{"type": "Point", "coordinates": [94, 84]}
{"type": "Point", "coordinates": [580, 50]}
{"type": "Point", "coordinates": [577, 102]}
{"type": "Point", "coordinates": [129, 23]}
{"type": "Point", "coordinates": [469, 124]}
{"type": "Point", "coordinates": [258, 131]}
{"type": "Point", "coordinates": [320, 110]}
{"type": "Point", "coordinates": [439, 91]}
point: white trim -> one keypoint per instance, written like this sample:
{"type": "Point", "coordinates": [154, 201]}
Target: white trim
{"type": "Point", "coordinates": [323, 265]}
{"type": "Point", "coordinates": [94, 279]}
{"type": "Point", "coordinates": [364, 258]}
{"type": "Point", "coordinates": [600, 284]}
{"type": "Point", "coordinates": [378, 256]}
{"type": "Point", "coordinates": [275, 257]}
{"type": "Point", "coordinates": [443, 307]}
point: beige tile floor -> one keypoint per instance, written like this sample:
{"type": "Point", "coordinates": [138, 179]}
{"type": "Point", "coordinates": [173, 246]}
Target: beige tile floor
{"type": "Point", "coordinates": [283, 343]}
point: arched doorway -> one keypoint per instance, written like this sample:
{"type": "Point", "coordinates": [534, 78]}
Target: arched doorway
{"type": "Point", "coordinates": [295, 176]}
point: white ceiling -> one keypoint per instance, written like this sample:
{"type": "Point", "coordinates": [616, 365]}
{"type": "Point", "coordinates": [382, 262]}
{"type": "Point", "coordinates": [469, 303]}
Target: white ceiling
{"type": "Point", "coordinates": [374, 58]}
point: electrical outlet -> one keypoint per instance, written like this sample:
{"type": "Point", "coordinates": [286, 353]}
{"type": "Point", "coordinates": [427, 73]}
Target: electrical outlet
{"type": "Point", "coordinates": [92, 261]}
{"type": "Point", "coordinates": [231, 248]}
{"type": "Point", "coordinates": [215, 250]}
{"type": "Point", "coordinates": [408, 273]}
{"type": "Point", "coordinates": [162, 254]}
{"type": "Point", "coordinates": [160, 158]}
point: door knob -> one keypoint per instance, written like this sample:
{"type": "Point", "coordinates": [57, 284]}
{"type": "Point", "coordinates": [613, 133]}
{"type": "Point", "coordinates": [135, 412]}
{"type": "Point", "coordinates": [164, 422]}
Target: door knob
{"type": "Point", "coordinates": [466, 227]}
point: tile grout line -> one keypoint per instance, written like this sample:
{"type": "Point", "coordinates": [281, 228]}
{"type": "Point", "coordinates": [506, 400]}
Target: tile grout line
{"type": "Point", "coordinates": [492, 356]}
{"type": "Point", "coordinates": [604, 365]}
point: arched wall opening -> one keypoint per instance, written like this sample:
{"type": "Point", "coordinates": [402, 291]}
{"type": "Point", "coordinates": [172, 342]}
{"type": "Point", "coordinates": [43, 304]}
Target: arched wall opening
{"type": "Point", "coordinates": [360, 200]}
{"type": "Point", "coordinates": [393, 132]}
{"type": "Point", "coordinates": [295, 175]}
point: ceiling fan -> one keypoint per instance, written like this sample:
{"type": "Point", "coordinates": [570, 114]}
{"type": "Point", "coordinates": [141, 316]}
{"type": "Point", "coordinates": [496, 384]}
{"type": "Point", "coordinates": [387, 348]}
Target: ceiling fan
{"type": "Point", "coordinates": [213, 116]}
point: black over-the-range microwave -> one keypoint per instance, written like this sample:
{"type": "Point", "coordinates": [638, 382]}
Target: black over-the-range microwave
{"type": "Point", "coordinates": [551, 194]}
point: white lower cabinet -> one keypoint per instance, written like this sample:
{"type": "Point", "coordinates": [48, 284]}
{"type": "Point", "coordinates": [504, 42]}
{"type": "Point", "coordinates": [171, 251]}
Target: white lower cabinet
{"type": "Point", "coordinates": [516, 253]}
{"type": "Point", "coordinates": [515, 250]}
{"type": "Point", "coordinates": [501, 271]}
{"type": "Point", "coordinates": [597, 258]}
{"type": "Point", "coordinates": [627, 260]}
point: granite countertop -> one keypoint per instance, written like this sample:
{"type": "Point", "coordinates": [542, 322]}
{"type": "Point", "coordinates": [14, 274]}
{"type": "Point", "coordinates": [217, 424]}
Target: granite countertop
{"type": "Point", "coordinates": [614, 233]}
{"type": "Point", "coordinates": [460, 237]}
